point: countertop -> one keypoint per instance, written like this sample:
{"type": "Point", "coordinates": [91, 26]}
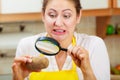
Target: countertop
{"type": "Point", "coordinates": [115, 77]}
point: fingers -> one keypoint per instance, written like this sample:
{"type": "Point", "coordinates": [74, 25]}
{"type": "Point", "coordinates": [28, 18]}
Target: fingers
{"type": "Point", "coordinates": [78, 54]}
{"type": "Point", "coordinates": [20, 62]}
{"type": "Point", "coordinates": [23, 59]}
{"type": "Point", "coordinates": [19, 68]}
{"type": "Point", "coordinates": [16, 72]}
{"type": "Point", "coordinates": [14, 67]}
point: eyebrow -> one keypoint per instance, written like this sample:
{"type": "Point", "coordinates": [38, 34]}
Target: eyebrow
{"type": "Point", "coordinates": [63, 10]}
{"type": "Point", "coordinates": [67, 9]}
{"type": "Point", "coordinates": [52, 10]}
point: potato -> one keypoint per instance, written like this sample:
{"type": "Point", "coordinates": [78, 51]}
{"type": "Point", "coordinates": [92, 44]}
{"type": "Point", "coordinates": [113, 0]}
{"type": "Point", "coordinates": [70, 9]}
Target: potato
{"type": "Point", "coordinates": [37, 63]}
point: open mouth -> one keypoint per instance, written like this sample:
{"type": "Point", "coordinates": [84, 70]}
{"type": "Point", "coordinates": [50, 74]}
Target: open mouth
{"type": "Point", "coordinates": [59, 30]}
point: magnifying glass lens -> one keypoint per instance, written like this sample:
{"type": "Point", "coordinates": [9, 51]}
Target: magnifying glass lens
{"type": "Point", "coordinates": [47, 47]}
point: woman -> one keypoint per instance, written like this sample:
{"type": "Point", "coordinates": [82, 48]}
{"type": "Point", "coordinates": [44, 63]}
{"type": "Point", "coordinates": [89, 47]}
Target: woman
{"type": "Point", "coordinates": [86, 58]}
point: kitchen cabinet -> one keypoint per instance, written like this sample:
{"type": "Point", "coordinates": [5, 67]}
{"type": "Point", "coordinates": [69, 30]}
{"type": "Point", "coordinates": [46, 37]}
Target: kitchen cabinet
{"type": "Point", "coordinates": [20, 10]}
{"type": "Point", "coordinates": [4, 18]}
{"type": "Point", "coordinates": [103, 21]}
{"type": "Point", "coordinates": [96, 7]}
{"type": "Point", "coordinates": [116, 7]}
{"type": "Point", "coordinates": [116, 4]}
{"type": "Point", "coordinates": [20, 6]}
{"type": "Point", "coordinates": [98, 4]}
{"type": "Point", "coordinates": [102, 9]}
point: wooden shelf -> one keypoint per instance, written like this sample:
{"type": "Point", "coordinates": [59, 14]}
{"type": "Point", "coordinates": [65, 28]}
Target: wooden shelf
{"type": "Point", "coordinates": [103, 17]}
{"type": "Point", "coordinates": [113, 36]}
{"type": "Point", "coordinates": [20, 17]}
{"type": "Point", "coordinates": [115, 77]}
{"type": "Point", "coordinates": [37, 16]}
{"type": "Point", "coordinates": [97, 12]}
{"type": "Point", "coordinates": [116, 11]}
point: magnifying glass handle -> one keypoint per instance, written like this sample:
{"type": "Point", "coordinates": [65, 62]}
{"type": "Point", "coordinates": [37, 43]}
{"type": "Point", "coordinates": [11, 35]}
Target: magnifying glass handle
{"type": "Point", "coordinates": [63, 49]}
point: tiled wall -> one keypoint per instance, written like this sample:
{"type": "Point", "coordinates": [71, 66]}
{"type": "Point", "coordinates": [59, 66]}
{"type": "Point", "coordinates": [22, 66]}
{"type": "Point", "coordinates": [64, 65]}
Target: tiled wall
{"type": "Point", "coordinates": [87, 25]}
{"type": "Point", "coordinates": [113, 46]}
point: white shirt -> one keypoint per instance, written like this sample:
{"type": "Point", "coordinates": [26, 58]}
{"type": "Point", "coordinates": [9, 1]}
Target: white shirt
{"type": "Point", "coordinates": [97, 53]}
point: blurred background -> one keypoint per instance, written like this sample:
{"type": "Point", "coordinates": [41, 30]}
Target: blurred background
{"type": "Point", "coordinates": [22, 18]}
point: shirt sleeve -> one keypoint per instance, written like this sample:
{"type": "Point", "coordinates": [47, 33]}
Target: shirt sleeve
{"type": "Point", "coordinates": [19, 49]}
{"type": "Point", "coordinates": [22, 48]}
{"type": "Point", "coordinates": [100, 60]}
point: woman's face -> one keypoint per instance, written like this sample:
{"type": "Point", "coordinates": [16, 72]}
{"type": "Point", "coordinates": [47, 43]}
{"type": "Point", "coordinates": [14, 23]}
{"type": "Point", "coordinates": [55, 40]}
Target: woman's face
{"type": "Point", "coordinates": [60, 19]}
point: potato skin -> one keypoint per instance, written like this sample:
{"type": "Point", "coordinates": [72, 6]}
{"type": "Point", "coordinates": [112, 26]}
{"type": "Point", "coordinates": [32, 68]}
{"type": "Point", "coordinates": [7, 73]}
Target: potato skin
{"type": "Point", "coordinates": [37, 63]}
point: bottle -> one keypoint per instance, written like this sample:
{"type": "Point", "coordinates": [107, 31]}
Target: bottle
{"type": "Point", "coordinates": [110, 29]}
{"type": "Point", "coordinates": [117, 29]}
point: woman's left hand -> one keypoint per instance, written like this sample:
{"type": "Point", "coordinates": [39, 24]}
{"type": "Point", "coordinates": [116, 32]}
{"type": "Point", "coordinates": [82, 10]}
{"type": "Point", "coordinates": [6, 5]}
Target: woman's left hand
{"type": "Point", "coordinates": [81, 58]}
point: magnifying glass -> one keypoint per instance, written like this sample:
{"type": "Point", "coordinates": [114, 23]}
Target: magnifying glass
{"type": "Point", "coordinates": [48, 46]}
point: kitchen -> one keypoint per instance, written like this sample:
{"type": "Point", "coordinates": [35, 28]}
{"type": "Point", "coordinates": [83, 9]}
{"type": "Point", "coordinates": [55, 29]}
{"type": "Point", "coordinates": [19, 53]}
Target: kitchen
{"type": "Point", "coordinates": [12, 33]}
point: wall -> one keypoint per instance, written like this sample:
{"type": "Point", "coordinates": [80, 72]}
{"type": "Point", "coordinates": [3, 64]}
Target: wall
{"type": "Point", "coordinates": [113, 44]}
{"type": "Point", "coordinates": [30, 27]}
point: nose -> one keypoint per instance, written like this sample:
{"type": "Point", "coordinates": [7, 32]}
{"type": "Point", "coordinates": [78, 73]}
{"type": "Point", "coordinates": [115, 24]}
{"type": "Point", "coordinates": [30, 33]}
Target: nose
{"type": "Point", "coordinates": [58, 22]}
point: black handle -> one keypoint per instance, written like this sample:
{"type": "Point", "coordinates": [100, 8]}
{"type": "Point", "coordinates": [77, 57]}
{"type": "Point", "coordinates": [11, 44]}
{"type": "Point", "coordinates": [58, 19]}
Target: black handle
{"type": "Point", "coordinates": [63, 49]}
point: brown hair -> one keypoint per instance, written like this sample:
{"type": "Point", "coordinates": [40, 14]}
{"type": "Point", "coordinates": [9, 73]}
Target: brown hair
{"type": "Point", "coordinates": [76, 3]}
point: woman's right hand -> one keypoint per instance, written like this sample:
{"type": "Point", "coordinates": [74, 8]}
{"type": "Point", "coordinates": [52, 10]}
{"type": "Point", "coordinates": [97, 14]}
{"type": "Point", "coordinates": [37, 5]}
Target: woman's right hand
{"type": "Point", "coordinates": [19, 69]}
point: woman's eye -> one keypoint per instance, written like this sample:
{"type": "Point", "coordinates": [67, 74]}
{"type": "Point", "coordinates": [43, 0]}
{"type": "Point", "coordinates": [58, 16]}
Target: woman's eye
{"type": "Point", "coordinates": [67, 16]}
{"type": "Point", "coordinates": [52, 15]}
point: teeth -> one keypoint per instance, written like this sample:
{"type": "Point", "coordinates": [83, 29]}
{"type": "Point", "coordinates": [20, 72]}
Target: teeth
{"type": "Point", "coordinates": [59, 30]}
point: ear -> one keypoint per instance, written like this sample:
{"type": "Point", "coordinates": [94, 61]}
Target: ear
{"type": "Point", "coordinates": [79, 17]}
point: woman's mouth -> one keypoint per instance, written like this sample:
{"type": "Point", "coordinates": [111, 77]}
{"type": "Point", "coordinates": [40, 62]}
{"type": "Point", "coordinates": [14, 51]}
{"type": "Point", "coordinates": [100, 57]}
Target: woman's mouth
{"type": "Point", "coordinates": [59, 31]}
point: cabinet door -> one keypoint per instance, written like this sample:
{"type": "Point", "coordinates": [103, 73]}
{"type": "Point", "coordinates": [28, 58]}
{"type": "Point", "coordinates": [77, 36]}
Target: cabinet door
{"type": "Point", "coordinates": [20, 6]}
{"type": "Point", "coordinates": [116, 3]}
{"type": "Point", "coordinates": [94, 4]}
